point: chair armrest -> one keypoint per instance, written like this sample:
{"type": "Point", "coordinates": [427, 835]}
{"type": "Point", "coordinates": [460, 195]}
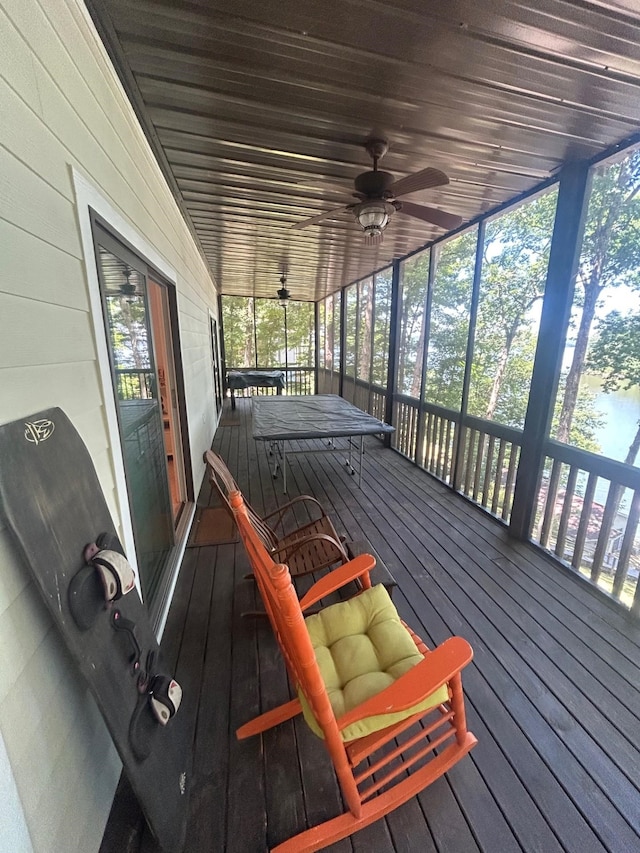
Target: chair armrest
{"type": "Point", "coordinates": [338, 578]}
{"type": "Point", "coordinates": [438, 667]}
{"type": "Point", "coordinates": [285, 552]}
{"type": "Point", "coordinates": [280, 512]}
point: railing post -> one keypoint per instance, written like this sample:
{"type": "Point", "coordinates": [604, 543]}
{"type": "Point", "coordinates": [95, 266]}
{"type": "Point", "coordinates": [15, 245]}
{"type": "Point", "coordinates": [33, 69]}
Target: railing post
{"type": "Point", "coordinates": [343, 338]}
{"type": "Point", "coordinates": [556, 310]}
{"type": "Point", "coordinates": [394, 323]}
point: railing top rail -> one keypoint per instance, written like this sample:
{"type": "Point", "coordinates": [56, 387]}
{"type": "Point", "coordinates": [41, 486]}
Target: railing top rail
{"type": "Point", "coordinates": [508, 433]}
{"type": "Point", "coordinates": [493, 428]}
{"type": "Point", "coordinates": [609, 469]}
{"type": "Point", "coordinates": [304, 368]}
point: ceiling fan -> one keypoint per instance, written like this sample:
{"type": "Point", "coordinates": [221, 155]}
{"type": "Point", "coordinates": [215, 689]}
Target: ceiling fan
{"type": "Point", "coordinates": [283, 294]}
{"type": "Point", "coordinates": [378, 192]}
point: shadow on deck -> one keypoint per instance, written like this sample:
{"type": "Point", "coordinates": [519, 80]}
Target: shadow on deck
{"type": "Point", "coordinates": [553, 693]}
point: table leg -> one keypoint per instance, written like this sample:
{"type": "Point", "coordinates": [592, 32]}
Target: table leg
{"type": "Point", "coordinates": [233, 400]}
{"type": "Point", "coordinates": [284, 465]}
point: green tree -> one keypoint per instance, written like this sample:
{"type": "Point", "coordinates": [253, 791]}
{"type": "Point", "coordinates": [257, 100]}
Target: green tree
{"type": "Point", "coordinates": [415, 273]}
{"type": "Point", "coordinates": [238, 328]}
{"type": "Point", "coordinates": [449, 325]}
{"type": "Point", "coordinates": [609, 258]}
{"type": "Point", "coordinates": [129, 331]}
{"type": "Point", "coordinates": [270, 332]}
{"type": "Point", "coordinates": [300, 334]}
{"type": "Point", "coordinates": [365, 329]}
{"type": "Point", "coordinates": [351, 319]}
{"type": "Point", "coordinates": [381, 328]}
{"type": "Point", "coordinates": [615, 356]}
{"type": "Point", "coordinates": [515, 261]}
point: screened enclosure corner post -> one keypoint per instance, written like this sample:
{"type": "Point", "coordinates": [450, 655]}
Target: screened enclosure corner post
{"type": "Point", "coordinates": [554, 320]}
{"type": "Point", "coordinates": [460, 435]}
{"type": "Point", "coordinates": [343, 338]}
{"type": "Point", "coordinates": [223, 354]}
{"type": "Point", "coordinates": [316, 343]}
{"type": "Point", "coordinates": [394, 326]}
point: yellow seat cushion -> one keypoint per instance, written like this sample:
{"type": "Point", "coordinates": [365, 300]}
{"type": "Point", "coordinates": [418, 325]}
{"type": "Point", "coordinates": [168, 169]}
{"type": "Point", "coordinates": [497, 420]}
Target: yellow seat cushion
{"type": "Point", "coordinates": [362, 647]}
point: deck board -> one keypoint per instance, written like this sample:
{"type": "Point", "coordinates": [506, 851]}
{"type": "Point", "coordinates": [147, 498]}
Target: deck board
{"type": "Point", "coordinates": [553, 691]}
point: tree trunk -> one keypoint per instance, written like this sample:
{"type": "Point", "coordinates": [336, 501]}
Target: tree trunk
{"type": "Point", "coordinates": [364, 360]}
{"type": "Point", "coordinates": [634, 447]}
{"type": "Point", "coordinates": [630, 459]}
{"type": "Point", "coordinates": [416, 379]}
{"type": "Point", "coordinates": [592, 292]}
{"type": "Point", "coordinates": [503, 359]}
{"type": "Point", "coordinates": [248, 338]}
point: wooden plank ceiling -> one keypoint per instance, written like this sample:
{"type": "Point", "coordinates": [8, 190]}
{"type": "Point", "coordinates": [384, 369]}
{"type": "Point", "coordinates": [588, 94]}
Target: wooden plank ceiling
{"type": "Point", "coordinates": [258, 112]}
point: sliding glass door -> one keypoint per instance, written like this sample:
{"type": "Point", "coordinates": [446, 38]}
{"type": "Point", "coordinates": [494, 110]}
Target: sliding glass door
{"type": "Point", "coordinates": [139, 340]}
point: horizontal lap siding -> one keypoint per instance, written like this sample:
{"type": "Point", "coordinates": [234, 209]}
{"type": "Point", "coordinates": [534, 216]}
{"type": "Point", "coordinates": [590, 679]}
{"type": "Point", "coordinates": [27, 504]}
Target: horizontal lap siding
{"type": "Point", "coordinates": [62, 107]}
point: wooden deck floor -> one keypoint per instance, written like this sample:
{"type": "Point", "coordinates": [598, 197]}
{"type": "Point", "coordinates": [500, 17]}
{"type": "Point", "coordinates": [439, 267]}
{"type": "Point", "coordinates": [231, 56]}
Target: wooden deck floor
{"type": "Point", "coordinates": [553, 693]}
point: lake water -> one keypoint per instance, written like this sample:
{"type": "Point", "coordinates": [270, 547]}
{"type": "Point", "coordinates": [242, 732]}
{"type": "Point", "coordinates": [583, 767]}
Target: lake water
{"type": "Point", "coordinates": [621, 413]}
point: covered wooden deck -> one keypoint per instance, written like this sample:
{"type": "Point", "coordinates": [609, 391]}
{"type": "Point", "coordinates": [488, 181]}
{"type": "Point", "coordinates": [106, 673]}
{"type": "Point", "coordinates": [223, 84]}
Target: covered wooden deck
{"type": "Point", "coordinates": [553, 694]}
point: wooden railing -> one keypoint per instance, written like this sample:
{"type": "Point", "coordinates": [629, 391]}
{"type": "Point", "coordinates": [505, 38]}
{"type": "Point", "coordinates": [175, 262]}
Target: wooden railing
{"type": "Point", "coordinates": [299, 380]}
{"type": "Point", "coordinates": [366, 396]}
{"type": "Point", "coordinates": [135, 384]}
{"type": "Point", "coordinates": [588, 507]}
{"type": "Point", "coordinates": [328, 381]}
{"type": "Point", "coordinates": [489, 461]}
{"type": "Point", "coordinates": [482, 460]}
{"type": "Point", "coordinates": [587, 517]}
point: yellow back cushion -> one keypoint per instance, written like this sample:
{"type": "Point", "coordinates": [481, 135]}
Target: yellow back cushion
{"type": "Point", "coordinates": [362, 647]}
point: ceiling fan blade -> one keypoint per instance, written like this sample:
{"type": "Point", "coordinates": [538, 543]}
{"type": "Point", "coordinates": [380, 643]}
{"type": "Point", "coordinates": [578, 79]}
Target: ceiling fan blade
{"type": "Point", "coordinates": [315, 219]}
{"type": "Point", "coordinates": [448, 221]}
{"type": "Point", "coordinates": [419, 181]}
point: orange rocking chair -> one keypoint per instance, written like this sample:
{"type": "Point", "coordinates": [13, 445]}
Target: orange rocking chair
{"type": "Point", "coordinates": [306, 548]}
{"type": "Point", "coordinates": [363, 679]}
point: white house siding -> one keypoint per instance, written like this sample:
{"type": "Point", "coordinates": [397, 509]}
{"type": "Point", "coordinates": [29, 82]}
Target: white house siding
{"type": "Point", "coordinates": [62, 109]}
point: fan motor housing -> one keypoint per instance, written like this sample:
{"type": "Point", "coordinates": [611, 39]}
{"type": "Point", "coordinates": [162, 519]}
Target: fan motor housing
{"type": "Point", "coordinates": [374, 184]}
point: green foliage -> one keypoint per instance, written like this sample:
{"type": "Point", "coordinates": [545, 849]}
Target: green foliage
{"type": "Point", "coordinates": [615, 352]}
{"type": "Point", "coordinates": [237, 324]}
{"type": "Point", "coordinates": [381, 328]}
{"type": "Point", "coordinates": [129, 332]}
{"type": "Point", "coordinates": [609, 255]}
{"type": "Point", "coordinates": [514, 270]}
{"type": "Point", "coordinates": [300, 334]}
{"type": "Point", "coordinates": [351, 320]}
{"type": "Point", "coordinates": [449, 326]}
{"type": "Point", "coordinates": [246, 325]}
{"type": "Point", "coordinates": [270, 333]}
{"type": "Point", "coordinates": [587, 421]}
{"type": "Point", "coordinates": [330, 333]}
{"type": "Point", "coordinates": [415, 276]}
{"type": "Point", "coordinates": [609, 258]}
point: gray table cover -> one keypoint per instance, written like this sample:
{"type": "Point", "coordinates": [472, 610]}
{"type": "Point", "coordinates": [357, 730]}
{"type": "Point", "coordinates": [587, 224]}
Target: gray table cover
{"type": "Point", "coordinates": [237, 379]}
{"type": "Point", "coordinates": [311, 416]}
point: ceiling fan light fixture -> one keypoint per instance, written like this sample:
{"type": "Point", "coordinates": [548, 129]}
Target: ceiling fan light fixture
{"type": "Point", "coordinates": [283, 293]}
{"type": "Point", "coordinates": [373, 215]}
{"type": "Point", "coordinates": [128, 288]}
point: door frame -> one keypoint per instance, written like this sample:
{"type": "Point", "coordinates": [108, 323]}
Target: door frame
{"type": "Point", "coordinates": [216, 361]}
{"type": "Point", "coordinates": [90, 202]}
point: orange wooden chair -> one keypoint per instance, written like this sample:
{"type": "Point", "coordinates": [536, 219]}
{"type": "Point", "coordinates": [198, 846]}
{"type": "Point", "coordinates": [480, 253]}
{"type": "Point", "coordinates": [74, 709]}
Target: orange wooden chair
{"type": "Point", "coordinates": [305, 548]}
{"type": "Point", "coordinates": [363, 679]}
